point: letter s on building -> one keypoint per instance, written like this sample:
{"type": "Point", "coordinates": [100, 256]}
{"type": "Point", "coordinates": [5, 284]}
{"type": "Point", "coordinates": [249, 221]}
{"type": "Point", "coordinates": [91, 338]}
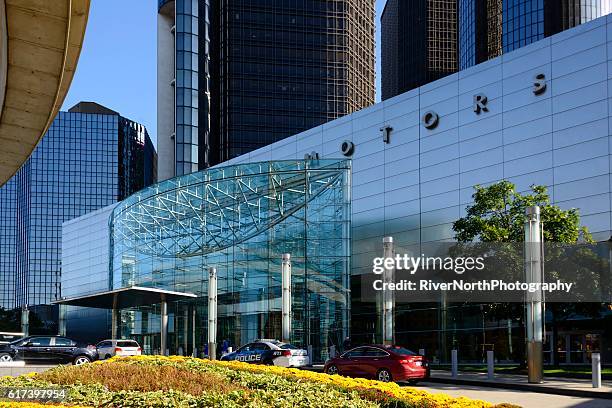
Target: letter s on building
{"type": "Point", "coordinates": [539, 84]}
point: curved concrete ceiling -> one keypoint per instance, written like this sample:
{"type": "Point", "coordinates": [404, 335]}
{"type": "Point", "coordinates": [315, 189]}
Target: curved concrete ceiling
{"type": "Point", "coordinates": [40, 44]}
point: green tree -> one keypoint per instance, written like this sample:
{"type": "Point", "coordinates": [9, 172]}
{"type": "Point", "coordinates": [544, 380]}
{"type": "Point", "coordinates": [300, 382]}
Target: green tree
{"type": "Point", "coordinates": [498, 215]}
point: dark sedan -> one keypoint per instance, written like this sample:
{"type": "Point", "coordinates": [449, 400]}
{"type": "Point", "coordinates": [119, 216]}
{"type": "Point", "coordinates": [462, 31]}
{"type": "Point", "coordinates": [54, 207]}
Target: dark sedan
{"type": "Point", "coordinates": [383, 363]}
{"type": "Point", "coordinates": [47, 349]}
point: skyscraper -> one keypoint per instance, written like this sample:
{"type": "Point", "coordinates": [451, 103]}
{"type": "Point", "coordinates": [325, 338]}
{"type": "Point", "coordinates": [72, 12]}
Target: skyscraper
{"type": "Point", "coordinates": [236, 76]}
{"type": "Point", "coordinates": [425, 40]}
{"type": "Point", "coordinates": [489, 28]}
{"type": "Point", "coordinates": [419, 43]}
{"type": "Point", "coordinates": [89, 158]}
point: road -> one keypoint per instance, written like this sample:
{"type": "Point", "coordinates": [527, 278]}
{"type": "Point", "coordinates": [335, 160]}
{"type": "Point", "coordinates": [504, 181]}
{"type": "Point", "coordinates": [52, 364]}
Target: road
{"type": "Point", "coordinates": [523, 398]}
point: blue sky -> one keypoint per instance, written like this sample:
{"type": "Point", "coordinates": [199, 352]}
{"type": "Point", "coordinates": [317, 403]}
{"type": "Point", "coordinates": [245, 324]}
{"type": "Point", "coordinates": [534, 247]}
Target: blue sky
{"type": "Point", "coordinates": [117, 67]}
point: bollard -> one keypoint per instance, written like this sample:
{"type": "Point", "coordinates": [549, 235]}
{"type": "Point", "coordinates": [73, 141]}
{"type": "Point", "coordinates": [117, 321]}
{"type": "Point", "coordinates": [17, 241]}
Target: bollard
{"type": "Point", "coordinates": [422, 352]}
{"type": "Point", "coordinates": [596, 364]}
{"type": "Point", "coordinates": [454, 363]}
{"type": "Point", "coordinates": [490, 365]}
{"type": "Point", "coordinates": [309, 351]}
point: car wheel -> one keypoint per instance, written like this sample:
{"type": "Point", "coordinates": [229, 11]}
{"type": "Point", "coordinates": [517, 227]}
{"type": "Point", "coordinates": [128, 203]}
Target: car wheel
{"type": "Point", "coordinates": [332, 369]}
{"type": "Point", "coordinates": [106, 357]}
{"type": "Point", "coordinates": [383, 375]}
{"type": "Point", "coordinates": [80, 360]}
{"type": "Point", "coordinates": [268, 362]}
{"type": "Point", "coordinates": [5, 358]}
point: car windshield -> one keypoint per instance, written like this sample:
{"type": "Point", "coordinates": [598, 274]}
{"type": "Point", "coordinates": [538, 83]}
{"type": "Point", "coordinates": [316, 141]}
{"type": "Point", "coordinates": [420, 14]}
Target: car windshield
{"type": "Point", "coordinates": [17, 341]}
{"type": "Point", "coordinates": [285, 346]}
{"type": "Point", "coordinates": [402, 351]}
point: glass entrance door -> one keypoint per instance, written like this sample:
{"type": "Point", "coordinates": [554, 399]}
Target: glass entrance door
{"type": "Point", "coordinates": [572, 347]}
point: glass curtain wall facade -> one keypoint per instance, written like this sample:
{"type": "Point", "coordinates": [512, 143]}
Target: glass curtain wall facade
{"type": "Point", "coordinates": [187, 83]}
{"type": "Point", "coordinates": [489, 28]}
{"type": "Point", "coordinates": [8, 234]}
{"type": "Point", "coordinates": [84, 162]}
{"type": "Point", "coordinates": [241, 220]}
{"type": "Point", "coordinates": [253, 72]}
{"type": "Point", "coordinates": [419, 44]}
{"type": "Point", "coordinates": [291, 66]}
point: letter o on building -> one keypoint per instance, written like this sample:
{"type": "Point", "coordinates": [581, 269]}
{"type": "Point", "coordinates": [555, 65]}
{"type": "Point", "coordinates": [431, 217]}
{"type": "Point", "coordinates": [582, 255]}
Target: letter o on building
{"type": "Point", "coordinates": [347, 148]}
{"type": "Point", "coordinates": [430, 119]}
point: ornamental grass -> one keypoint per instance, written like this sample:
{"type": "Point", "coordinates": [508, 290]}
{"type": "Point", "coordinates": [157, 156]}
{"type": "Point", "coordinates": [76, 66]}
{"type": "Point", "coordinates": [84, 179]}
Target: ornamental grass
{"type": "Point", "coordinates": [156, 381]}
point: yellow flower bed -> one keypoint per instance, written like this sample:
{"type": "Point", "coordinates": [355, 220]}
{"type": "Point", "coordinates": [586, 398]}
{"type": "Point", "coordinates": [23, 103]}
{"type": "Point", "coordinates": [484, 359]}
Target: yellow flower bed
{"type": "Point", "coordinates": [405, 393]}
{"type": "Point", "coordinates": [410, 394]}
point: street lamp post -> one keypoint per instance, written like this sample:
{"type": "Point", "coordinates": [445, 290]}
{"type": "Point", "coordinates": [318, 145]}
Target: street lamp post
{"type": "Point", "coordinates": [533, 305]}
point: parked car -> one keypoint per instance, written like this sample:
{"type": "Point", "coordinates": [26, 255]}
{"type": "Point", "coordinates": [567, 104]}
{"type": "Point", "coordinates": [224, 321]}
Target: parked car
{"type": "Point", "coordinates": [270, 352]}
{"type": "Point", "coordinates": [383, 363]}
{"type": "Point", "coordinates": [49, 349]}
{"type": "Point", "coordinates": [108, 348]}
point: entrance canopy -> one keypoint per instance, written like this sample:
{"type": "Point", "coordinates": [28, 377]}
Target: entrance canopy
{"type": "Point", "coordinates": [124, 298]}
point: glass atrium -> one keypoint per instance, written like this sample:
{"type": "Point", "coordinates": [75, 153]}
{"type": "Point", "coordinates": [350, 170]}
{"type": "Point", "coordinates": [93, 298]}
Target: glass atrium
{"type": "Point", "coordinates": [239, 219]}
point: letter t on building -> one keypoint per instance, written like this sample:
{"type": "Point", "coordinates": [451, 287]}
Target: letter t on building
{"type": "Point", "coordinates": [386, 133]}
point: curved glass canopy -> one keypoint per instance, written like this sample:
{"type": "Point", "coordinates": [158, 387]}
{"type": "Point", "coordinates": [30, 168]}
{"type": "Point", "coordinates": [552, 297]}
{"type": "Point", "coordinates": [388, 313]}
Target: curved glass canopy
{"type": "Point", "coordinates": [213, 210]}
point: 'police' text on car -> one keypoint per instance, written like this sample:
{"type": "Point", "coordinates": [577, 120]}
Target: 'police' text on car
{"type": "Point", "coordinates": [270, 352]}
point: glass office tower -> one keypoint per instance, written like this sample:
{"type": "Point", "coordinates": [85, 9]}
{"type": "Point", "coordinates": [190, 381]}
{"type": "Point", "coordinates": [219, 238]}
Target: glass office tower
{"type": "Point", "coordinates": [419, 43]}
{"type": "Point", "coordinates": [489, 28]}
{"type": "Point", "coordinates": [236, 76]}
{"type": "Point", "coordinates": [89, 158]}
{"type": "Point", "coordinates": [425, 40]}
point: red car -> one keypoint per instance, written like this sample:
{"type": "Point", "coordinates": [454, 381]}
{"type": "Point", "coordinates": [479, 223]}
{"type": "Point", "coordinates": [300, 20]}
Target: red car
{"type": "Point", "coordinates": [383, 363]}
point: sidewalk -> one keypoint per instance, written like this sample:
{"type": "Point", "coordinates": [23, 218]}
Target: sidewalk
{"type": "Point", "coordinates": [551, 385]}
{"type": "Point", "coordinates": [16, 368]}
{"type": "Point", "coordinates": [572, 387]}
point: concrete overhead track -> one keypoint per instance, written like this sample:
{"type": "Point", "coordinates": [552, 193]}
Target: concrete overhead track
{"type": "Point", "coordinates": [40, 44]}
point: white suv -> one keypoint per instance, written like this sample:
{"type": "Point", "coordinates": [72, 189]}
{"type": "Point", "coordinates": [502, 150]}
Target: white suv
{"type": "Point", "coordinates": [108, 348]}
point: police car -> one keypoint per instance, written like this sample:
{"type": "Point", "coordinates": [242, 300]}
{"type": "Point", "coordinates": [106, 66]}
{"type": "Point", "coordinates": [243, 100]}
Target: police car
{"type": "Point", "coordinates": [270, 352]}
